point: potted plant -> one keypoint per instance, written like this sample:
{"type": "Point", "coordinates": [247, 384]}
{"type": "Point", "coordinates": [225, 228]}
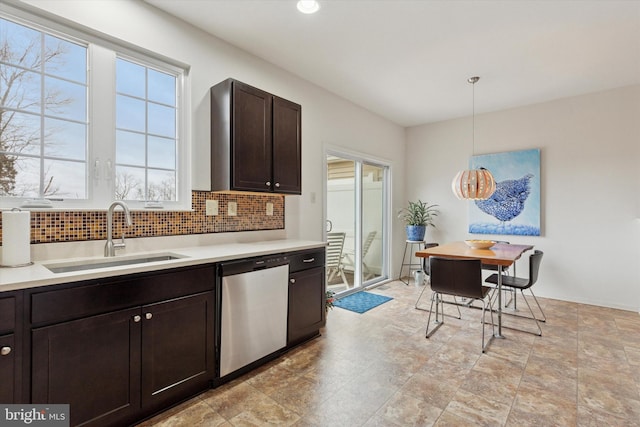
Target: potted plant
{"type": "Point", "coordinates": [418, 216]}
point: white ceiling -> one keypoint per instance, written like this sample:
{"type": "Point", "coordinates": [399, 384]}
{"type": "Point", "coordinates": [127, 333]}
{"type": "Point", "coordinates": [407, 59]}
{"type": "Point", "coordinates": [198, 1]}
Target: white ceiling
{"type": "Point", "coordinates": [409, 61]}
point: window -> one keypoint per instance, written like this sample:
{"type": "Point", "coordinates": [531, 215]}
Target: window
{"type": "Point", "coordinates": [84, 121]}
{"type": "Point", "coordinates": [145, 133]}
{"type": "Point", "coordinates": [43, 117]}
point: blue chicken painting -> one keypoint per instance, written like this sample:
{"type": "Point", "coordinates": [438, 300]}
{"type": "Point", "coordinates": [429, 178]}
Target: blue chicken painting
{"type": "Point", "coordinates": [514, 208]}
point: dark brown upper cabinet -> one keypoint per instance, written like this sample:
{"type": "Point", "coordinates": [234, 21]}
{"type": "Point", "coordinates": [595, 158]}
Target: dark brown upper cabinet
{"type": "Point", "coordinates": [255, 140]}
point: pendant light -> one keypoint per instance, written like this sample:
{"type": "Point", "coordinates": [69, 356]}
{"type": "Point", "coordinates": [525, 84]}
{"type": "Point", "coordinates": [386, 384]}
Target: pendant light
{"type": "Point", "coordinates": [473, 184]}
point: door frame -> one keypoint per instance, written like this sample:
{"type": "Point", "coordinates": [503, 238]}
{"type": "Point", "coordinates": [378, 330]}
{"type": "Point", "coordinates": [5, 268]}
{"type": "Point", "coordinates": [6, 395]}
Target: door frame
{"type": "Point", "coordinates": [359, 159]}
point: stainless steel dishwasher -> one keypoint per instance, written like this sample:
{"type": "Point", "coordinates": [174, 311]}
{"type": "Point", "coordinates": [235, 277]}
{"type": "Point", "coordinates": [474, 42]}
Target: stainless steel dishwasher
{"type": "Point", "coordinates": [253, 321]}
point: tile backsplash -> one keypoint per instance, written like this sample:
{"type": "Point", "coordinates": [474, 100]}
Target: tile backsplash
{"type": "Point", "coordinates": [251, 215]}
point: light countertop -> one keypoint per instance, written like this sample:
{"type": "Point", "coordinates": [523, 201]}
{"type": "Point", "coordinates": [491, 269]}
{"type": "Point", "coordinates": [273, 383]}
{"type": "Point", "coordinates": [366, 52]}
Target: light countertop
{"type": "Point", "coordinates": [38, 275]}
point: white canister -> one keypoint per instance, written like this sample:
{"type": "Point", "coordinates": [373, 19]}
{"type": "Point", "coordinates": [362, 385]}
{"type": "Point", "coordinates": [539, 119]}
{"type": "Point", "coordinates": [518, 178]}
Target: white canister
{"type": "Point", "coordinates": [418, 275]}
{"type": "Point", "coordinates": [16, 238]}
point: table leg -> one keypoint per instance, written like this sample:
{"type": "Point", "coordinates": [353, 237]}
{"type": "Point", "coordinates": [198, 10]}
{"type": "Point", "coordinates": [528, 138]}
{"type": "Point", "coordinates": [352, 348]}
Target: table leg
{"type": "Point", "coordinates": [499, 334]}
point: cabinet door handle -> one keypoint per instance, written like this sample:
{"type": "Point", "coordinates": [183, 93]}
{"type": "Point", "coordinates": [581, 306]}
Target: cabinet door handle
{"type": "Point", "coordinates": [5, 350]}
{"type": "Point", "coordinates": [137, 318]}
{"type": "Point", "coordinates": [292, 280]}
{"type": "Point", "coordinates": [148, 316]}
{"type": "Point", "coordinates": [268, 183]}
{"type": "Point", "coordinates": [277, 185]}
{"type": "Point", "coordinates": [309, 260]}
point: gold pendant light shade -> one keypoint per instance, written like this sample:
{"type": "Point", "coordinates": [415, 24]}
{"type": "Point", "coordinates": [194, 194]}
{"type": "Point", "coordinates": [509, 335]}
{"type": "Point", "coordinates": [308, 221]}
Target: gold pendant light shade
{"type": "Point", "coordinates": [476, 184]}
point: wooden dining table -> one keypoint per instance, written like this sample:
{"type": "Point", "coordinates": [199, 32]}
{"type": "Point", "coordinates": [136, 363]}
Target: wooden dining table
{"type": "Point", "coordinates": [501, 254]}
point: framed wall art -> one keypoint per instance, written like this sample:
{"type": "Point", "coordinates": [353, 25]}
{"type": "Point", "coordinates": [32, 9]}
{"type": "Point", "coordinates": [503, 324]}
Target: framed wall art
{"type": "Point", "coordinates": [514, 208]}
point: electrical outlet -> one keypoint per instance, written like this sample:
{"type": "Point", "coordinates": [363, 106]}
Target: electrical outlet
{"type": "Point", "coordinates": [269, 209]}
{"type": "Point", "coordinates": [232, 209]}
{"type": "Point", "coordinates": [211, 207]}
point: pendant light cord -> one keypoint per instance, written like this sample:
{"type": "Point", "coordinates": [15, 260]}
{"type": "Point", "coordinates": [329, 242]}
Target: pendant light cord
{"type": "Point", "coordinates": [473, 119]}
{"type": "Point", "coordinates": [473, 81]}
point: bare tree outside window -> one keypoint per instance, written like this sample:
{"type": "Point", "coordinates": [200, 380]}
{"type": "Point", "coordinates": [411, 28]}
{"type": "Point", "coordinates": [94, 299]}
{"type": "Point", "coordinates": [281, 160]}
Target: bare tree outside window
{"type": "Point", "coordinates": [42, 114]}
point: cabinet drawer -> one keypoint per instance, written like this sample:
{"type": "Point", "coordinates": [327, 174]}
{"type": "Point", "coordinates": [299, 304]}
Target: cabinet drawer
{"type": "Point", "coordinates": [7, 314]}
{"type": "Point", "coordinates": [118, 293]}
{"type": "Point", "coordinates": [306, 260]}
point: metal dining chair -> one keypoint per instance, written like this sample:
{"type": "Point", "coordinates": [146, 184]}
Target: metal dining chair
{"type": "Point", "coordinates": [458, 278]}
{"type": "Point", "coordinates": [493, 267]}
{"type": "Point", "coordinates": [427, 272]}
{"type": "Point", "coordinates": [521, 284]}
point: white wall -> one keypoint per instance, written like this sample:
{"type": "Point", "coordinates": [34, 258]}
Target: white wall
{"type": "Point", "coordinates": [590, 190]}
{"type": "Point", "coordinates": [326, 118]}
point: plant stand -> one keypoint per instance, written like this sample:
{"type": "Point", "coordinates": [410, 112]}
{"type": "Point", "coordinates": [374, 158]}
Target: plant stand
{"type": "Point", "coordinates": [410, 264]}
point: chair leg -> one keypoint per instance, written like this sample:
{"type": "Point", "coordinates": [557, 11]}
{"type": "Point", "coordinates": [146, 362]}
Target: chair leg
{"type": "Point", "coordinates": [418, 300]}
{"type": "Point", "coordinates": [544, 318]}
{"type": "Point", "coordinates": [344, 278]}
{"type": "Point", "coordinates": [539, 333]}
{"type": "Point", "coordinates": [457, 304]}
{"type": "Point", "coordinates": [434, 297]}
{"type": "Point", "coordinates": [484, 305]}
{"type": "Point", "coordinates": [533, 316]}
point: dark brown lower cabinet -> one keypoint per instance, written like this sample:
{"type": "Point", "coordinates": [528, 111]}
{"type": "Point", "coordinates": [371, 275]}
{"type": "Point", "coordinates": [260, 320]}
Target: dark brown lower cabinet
{"type": "Point", "coordinates": [93, 364]}
{"type": "Point", "coordinates": [177, 349]}
{"type": "Point", "coordinates": [118, 367]}
{"type": "Point", "coordinates": [306, 304]}
{"type": "Point", "coordinates": [11, 347]}
{"type": "Point", "coordinates": [7, 369]}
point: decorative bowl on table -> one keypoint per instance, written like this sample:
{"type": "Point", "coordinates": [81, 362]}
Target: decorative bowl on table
{"type": "Point", "coordinates": [480, 244]}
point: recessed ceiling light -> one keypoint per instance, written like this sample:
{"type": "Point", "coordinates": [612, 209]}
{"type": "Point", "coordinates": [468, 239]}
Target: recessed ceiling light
{"type": "Point", "coordinates": [308, 6]}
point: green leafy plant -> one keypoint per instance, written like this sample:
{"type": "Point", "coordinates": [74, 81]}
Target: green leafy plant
{"type": "Point", "coordinates": [419, 213]}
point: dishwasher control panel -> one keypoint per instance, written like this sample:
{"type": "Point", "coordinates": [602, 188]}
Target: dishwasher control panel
{"type": "Point", "coordinates": [251, 264]}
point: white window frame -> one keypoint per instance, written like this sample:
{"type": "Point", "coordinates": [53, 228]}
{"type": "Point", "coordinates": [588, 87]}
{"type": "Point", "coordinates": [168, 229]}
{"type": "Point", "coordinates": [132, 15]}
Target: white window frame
{"type": "Point", "coordinates": [101, 106]}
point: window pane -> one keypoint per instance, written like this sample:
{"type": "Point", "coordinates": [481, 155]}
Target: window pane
{"type": "Point", "coordinates": [129, 148]}
{"type": "Point", "coordinates": [27, 176]}
{"type": "Point", "coordinates": [130, 78]}
{"type": "Point", "coordinates": [20, 88]}
{"type": "Point", "coordinates": [65, 179]}
{"type": "Point", "coordinates": [162, 87]}
{"type": "Point", "coordinates": [65, 139]}
{"type": "Point", "coordinates": [23, 44]}
{"type": "Point", "coordinates": [129, 183]}
{"type": "Point", "coordinates": [162, 185]}
{"type": "Point", "coordinates": [66, 59]}
{"type": "Point", "coordinates": [130, 113]}
{"type": "Point", "coordinates": [162, 152]}
{"type": "Point", "coordinates": [21, 133]}
{"type": "Point", "coordinates": [162, 120]}
{"type": "Point", "coordinates": [65, 99]}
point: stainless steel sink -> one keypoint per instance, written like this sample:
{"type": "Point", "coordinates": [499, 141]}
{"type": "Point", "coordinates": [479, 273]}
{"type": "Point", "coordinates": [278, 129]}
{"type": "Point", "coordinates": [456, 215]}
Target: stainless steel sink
{"type": "Point", "coordinates": [92, 264]}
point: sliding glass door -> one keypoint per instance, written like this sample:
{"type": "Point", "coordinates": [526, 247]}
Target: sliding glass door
{"type": "Point", "coordinates": [356, 214]}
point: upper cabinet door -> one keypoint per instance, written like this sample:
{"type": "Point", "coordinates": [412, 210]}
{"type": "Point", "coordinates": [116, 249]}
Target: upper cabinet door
{"type": "Point", "coordinates": [251, 139]}
{"type": "Point", "coordinates": [255, 140]}
{"type": "Point", "coordinates": [287, 146]}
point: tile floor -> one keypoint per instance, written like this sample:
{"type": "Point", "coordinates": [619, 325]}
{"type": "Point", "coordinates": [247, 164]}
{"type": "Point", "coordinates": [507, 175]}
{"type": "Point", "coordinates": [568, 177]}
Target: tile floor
{"type": "Point", "coordinates": [377, 369]}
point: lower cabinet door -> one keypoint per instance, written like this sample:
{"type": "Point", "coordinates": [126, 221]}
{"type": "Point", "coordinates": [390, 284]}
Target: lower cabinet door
{"type": "Point", "coordinates": [306, 304]}
{"type": "Point", "coordinates": [92, 364]}
{"type": "Point", "coordinates": [7, 369]}
{"type": "Point", "coordinates": [177, 349]}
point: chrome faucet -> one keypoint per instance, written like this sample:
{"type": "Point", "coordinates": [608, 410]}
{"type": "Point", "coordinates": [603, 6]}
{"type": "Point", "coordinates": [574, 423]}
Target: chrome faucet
{"type": "Point", "coordinates": [110, 247]}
